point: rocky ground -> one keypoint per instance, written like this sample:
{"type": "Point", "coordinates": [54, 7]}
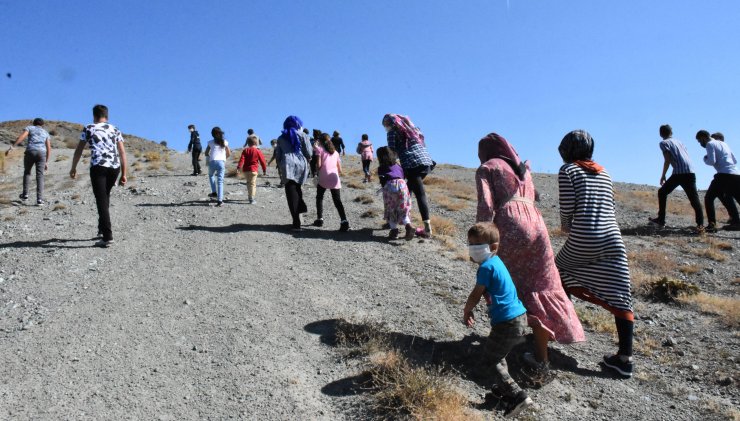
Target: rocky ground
{"type": "Point", "coordinates": [203, 312]}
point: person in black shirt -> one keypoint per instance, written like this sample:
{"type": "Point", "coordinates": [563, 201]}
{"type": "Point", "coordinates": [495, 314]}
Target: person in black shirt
{"type": "Point", "coordinates": [195, 147]}
{"type": "Point", "coordinates": [338, 143]}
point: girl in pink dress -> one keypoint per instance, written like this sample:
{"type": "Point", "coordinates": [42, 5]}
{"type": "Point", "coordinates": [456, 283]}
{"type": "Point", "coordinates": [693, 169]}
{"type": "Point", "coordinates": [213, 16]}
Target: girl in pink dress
{"type": "Point", "coordinates": [330, 168]}
{"type": "Point", "coordinates": [506, 196]}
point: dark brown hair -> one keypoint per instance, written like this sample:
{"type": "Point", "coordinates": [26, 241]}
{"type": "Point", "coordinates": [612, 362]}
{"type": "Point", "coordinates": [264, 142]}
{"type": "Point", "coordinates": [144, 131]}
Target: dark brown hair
{"type": "Point", "coordinates": [218, 136]}
{"type": "Point", "coordinates": [327, 143]}
{"type": "Point", "coordinates": [38, 121]}
{"type": "Point", "coordinates": [386, 156]}
{"type": "Point", "coordinates": [100, 111]}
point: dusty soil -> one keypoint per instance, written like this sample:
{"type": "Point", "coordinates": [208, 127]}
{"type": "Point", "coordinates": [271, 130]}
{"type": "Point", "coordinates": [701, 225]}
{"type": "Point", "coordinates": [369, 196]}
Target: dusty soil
{"type": "Point", "coordinates": [203, 312]}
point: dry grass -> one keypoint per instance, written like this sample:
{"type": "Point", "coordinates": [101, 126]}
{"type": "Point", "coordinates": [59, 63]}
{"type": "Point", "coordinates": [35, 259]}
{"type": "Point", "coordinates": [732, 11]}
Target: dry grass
{"type": "Point", "coordinates": [356, 185]}
{"type": "Point", "coordinates": [400, 389]}
{"type": "Point", "coordinates": [371, 213]}
{"type": "Point", "coordinates": [8, 218]}
{"type": "Point", "coordinates": [153, 166]}
{"type": "Point", "coordinates": [231, 173]}
{"type": "Point", "coordinates": [646, 345]}
{"type": "Point", "coordinates": [647, 201]}
{"type": "Point", "coordinates": [442, 226]}
{"type": "Point", "coordinates": [443, 201]}
{"type": "Point", "coordinates": [2, 163]}
{"type": "Point", "coordinates": [667, 290]}
{"type": "Point", "coordinates": [152, 156]}
{"type": "Point", "coordinates": [727, 308]}
{"type": "Point", "coordinates": [137, 166]}
{"type": "Point", "coordinates": [59, 206]}
{"type": "Point", "coordinates": [61, 158]}
{"type": "Point", "coordinates": [654, 262]}
{"type": "Point", "coordinates": [169, 166]}
{"type": "Point", "coordinates": [137, 154]}
{"type": "Point", "coordinates": [365, 199]}
{"type": "Point", "coordinates": [71, 142]}
{"type": "Point", "coordinates": [690, 269]}
{"type": "Point", "coordinates": [451, 188]}
{"type": "Point", "coordinates": [5, 201]}
{"type": "Point", "coordinates": [598, 320]}
{"type": "Point", "coordinates": [711, 253]}
{"type": "Point", "coordinates": [75, 197]}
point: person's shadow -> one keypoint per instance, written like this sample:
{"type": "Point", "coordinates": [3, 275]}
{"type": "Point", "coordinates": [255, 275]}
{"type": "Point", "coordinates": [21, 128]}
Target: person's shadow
{"type": "Point", "coordinates": [51, 243]}
{"type": "Point", "coordinates": [466, 357]}
{"type": "Point", "coordinates": [357, 235]}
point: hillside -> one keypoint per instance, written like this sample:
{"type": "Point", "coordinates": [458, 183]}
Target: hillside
{"type": "Point", "coordinates": [203, 312]}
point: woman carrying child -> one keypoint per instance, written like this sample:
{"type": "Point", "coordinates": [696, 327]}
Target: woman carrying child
{"type": "Point", "coordinates": [593, 261]}
{"type": "Point", "coordinates": [330, 168]}
{"type": "Point", "coordinates": [365, 150]}
{"type": "Point", "coordinates": [396, 196]}
{"type": "Point", "coordinates": [506, 196]}
{"type": "Point", "coordinates": [217, 152]}
{"type": "Point", "coordinates": [250, 161]}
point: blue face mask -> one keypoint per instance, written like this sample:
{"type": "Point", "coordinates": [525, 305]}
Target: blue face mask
{"type": "Point", "coordinates": [479, 252]}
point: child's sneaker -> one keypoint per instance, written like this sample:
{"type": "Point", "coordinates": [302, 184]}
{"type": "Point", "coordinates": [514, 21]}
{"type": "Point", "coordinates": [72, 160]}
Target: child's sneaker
{"type": "Point", "coordinates": [344, 226]}
{"type": "Point", "coordinates": [213, 195]}
{"type": "Point", "coordinates": [410, 232]}
{"type": "Point", "coordinates": [40, 203]}
{"type": "Point", "coordinates": [517, 404]}
{"type": "Point", "coordinates": [318, 223]}
{"type": "Point", "coordinates": [617, 363]}
{"type": "Point", "coordinates": [699, 229]}
{"type": "Point", "coordinates": [657, 222]}
{"type": "Point", "coordinates": [711, 227]}
{"type": "Point", "coordinates": [23, 196]}
{"type": "Point", "coordinates": [393, 234]}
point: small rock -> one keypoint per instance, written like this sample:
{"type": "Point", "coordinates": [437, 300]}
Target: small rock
{"type": "Point", "coordinates": [724, 381]}
{"type": "Point", "coordinates": [694, 367]}
{"type": "Point", "coordinates": [669, 341]}
{"type": "Point", "coordinates": [186, 302]}
{"type": "Point", "coordinates": [693, 398]}
{"type": "Point", "coordinates": [680, 352]}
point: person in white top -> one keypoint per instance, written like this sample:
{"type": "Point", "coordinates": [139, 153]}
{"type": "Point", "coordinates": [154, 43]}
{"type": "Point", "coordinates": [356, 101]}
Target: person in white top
{"type": "Point", "coordinates": [217, 152]}
{"type": "Point", "coordinates": [726, 183]}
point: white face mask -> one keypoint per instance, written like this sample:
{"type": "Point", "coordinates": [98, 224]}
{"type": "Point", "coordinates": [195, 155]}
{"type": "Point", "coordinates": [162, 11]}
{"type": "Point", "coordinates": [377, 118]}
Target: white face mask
{"type": "Point", "coordinates": [479, 252]}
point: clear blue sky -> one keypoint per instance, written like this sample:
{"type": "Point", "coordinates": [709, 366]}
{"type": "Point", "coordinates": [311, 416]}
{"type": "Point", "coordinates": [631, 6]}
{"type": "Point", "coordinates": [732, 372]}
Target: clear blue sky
{"type": "Point", "coordinates": [529, 70]}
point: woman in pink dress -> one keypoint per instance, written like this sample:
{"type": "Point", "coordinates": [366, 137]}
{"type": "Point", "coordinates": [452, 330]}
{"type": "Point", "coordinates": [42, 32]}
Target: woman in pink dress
{"type": "Point", "coordinates": [506, 197]}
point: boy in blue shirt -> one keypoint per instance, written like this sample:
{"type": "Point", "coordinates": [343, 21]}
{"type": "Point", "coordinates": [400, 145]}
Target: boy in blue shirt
{"type": "Point", "coordinates": [508, 315]}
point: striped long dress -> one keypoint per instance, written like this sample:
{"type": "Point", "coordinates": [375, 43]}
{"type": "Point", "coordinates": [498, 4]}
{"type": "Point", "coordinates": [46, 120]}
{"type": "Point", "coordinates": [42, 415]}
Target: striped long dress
{"type": "Point", "coordinates": [593, 261]}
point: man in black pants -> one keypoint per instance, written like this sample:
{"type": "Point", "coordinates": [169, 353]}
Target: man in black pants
{"type": "Point", "coordinates": [676, 155]}
{"type": "Point", "coordinates": [195, 147]}
{"type": "Point", "coordinates": [726, 183]}
{"type": "Point", "coordinates": [107, 159]}
{"type": "Point", "coordinates": [338, 142]}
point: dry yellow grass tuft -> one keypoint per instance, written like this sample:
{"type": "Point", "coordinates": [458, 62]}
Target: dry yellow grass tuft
{"type": "Point", "coordinates": [365, 199]}
{"type": "Point", "coordinates": [71, 142]}
{"type": "Point", "coordinates": [728, 308]}
{"type": "Point", "coordinates": [712, 253]}
{"type": "Point", "coordinates": [652, 261]}
{"type": "Point", "coordinates": [231, 173]}
{"type": "Point", "coordinates": [443, 201]}
{"type": "Point", "coordinates": [153, 166]}
{"type": "Point", "coordinates": [61, 158]}
{"type": "Point", "coordinates": [8, 218]}
{"type": "Point", "coordinates": [598, 320]}
{"type": "Point", "coordinates": [356, 185]}
{"type": "Point", "coordinates": [689, 269]}
{"type": "Point", "coordinates": [371, 213]}
{"type": "Point", "coordinates": [647, 201]}
{"type": "Point", "coordinates": [152, 156]}
{"type": "Point", "coordinates": [169, 166]}
{"type": "Point", "coordinates": [75, 197]}
{"type": "Point", "coordinates": [442, 226]}
{"type": "Point", "coordinates": [59, 206]}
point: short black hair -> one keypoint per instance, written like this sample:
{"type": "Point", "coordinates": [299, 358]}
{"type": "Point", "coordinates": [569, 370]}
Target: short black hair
{"type": "Point", "coordinates": [38, 121]}
{"type": "Point", "coordinates": [100, 111]}
{"type": "Point", "coordinates": [336, 133]}
{"type": "Point", "coordinates": [250, 131]}
{"type": "Point", "coordinates": [192, 126]}
{"type": "Point", "coordinates": [718, 136]}
{"type": "Point", "coordinates": [365, 137]}
{"type": "Point", "coordinates": [702, 134]}
{"type": "Point", "coordinates": [305, 130]}
{"type": "Point", "coordinates": [666, 131]}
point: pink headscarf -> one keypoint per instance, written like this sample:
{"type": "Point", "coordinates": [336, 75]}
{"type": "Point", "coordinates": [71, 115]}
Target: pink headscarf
{"type": "Point", "coordinates": [495, 146]}
{"type": "Point", "coordinates": [403, 124]}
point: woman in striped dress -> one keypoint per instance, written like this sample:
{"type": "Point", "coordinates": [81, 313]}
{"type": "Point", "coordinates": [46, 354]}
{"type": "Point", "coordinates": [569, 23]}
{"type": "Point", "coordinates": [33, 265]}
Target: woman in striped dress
{"type": "Point", "coordinates": [593, 261]}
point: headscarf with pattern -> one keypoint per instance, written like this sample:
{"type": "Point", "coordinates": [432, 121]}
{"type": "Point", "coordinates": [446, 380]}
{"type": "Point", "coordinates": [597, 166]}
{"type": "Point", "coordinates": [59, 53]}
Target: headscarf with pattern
{"type": "Point", "coordinates": [291, 126]}
{"type": "Point", "coordinates": [495, 146]}
{"type": "Point", "coordinates": [405, 127]}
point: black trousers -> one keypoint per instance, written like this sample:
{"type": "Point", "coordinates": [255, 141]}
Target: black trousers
{"type": "Point", "coordinates": [726, 187]}
{"type": "Point", "coordinates": [366, 166]}
{"type": "Point", "coordinates": [688, 183]}
{"type": "Point", "coordinates": [296, 205]}
{"type": "Point", "coordinates": [103, 179]}
{"type": "Point", "coordinates": [196, 161]}
{"type": "Point", "coordinates": [336, 196]}
{"type": "Point", "coordinates": [415, 181]}
{"type": "Point", "coordinates": [314, 162]}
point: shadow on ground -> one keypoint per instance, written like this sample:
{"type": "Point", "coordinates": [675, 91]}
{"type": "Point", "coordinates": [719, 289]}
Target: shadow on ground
{"type": "Point", "coordinates": [360, 235]}
{"type": "Point", "coordinates": [52, 243]}
{"type": "Point", "coordinates": [466, 357]}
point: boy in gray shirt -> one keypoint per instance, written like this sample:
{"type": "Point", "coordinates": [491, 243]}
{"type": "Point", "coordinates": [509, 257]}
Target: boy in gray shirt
{"type": "Point", "coordinates": [38, 152]}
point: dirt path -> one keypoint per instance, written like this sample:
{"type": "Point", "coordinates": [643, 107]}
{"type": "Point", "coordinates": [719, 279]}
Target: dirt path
{"type": "Point", "coordinates": [202, 312]}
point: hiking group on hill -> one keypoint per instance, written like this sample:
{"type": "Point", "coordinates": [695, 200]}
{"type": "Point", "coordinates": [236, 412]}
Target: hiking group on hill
{"type": "Point", "coordinates": [522, 280]}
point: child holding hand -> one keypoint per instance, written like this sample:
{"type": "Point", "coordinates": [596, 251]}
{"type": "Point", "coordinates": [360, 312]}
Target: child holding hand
{"type": "Point", "coordinates": [507, 313]}
{"type": "Point", "coordinates": [396, 196]}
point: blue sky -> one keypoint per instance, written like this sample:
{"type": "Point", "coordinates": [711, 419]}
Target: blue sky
{"type": "Point", "coordinates": [529, 70]}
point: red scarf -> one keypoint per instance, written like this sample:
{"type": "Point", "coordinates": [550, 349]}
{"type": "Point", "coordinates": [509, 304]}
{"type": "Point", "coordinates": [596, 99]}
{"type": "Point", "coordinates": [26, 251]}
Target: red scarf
{"type": "Point", "coordinates": [589, 166]}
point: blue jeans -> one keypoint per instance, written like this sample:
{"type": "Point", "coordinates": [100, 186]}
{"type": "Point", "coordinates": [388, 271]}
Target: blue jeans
{"type": "Point", "coordinates": [216, 170]}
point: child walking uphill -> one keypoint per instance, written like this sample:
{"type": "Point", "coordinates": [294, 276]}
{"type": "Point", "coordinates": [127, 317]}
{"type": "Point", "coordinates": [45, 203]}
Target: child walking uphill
{"type": "Point", "coordinates": [507, 313]}
{"type": "Point", "coordinates": [396, 195]}
{"type": "Point", "coordinates": [365, 150]}
{"type": "Point", "coordinates": [217, 152]}
{"type": "Point", "coordinates": [330, 168]}
{"type": "Point", "coordinates": [250, 161]}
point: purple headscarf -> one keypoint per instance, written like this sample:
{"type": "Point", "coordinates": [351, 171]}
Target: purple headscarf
{"type": "Point", "coordinates": [291, 126]}
{"type": "Point", "coordinates": [403, 125]}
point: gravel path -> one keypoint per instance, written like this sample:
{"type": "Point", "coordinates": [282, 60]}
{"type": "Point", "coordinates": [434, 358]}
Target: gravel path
{"type": "Point", "coordinates": [200, 312]}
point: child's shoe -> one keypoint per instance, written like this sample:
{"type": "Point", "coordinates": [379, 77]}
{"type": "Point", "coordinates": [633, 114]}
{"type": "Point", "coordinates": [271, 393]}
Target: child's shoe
{"type": "Point", "coordinates": [344, 226]}
{"type": "Point", "coordinates": [618, 363]}
{"type": "Point", "coordinates": [539, 366]}
{"type": "Point", "coordinates": [517, 404]}
{"type": "Point", "coordinates": [23, 196]}
{"type": "Point", "coordinates": [711, 227]}
{"type": "Point", "coordinates": [657, 222]}
{"type": "Point", "coordinates": [213, 195]}
{"type": "Point", "coordinates": [428, 229]}
{"type": "Point", "coordinates": [318, 223]}
{"type": "Point", "coordinates": [393, 234]}
{"type": "Point", "coordinates": [410, 232]}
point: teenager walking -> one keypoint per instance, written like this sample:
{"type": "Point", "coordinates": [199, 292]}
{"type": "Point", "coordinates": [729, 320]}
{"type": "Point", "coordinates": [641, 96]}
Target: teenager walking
{"type": "Point", "coordinates": [38, 153]}
{"type": "Point", "coordinates": [195, 149]}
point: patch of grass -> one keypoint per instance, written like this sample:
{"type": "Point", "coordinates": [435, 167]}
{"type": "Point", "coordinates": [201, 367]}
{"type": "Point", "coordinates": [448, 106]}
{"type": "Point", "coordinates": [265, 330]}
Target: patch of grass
{"type": "Point", "coordinates": [71, 143]}
{"type": "Point", "coordinates": [727, 308]}
{"type": "Point", "coordinates": [356, 185]}
{"type": "Point", "coordinates": [22, 211]}
{"type": "Point", "coordinates": [371, 213]}
{"type": "Point", "coordinates": [59, 206]}
{"type": "Point", "coordinates": [137, 166]}
{"type": "Point", "coordinates": [365, 199]}
{"type": "Point", "coordinates": [711, 253]}
{"type": "Point", "coordinates": [169, 166]}
{"type": "Point", "coordinates": [153, 166]}
{"type": "Point", "coordinates": [61, 158]}
{"type": "Point", "coordinates": [667, 290]}
{"type": "Point", "coordinates": [443, 201]}
{"type": "Point", "coordinates": [689, 269]}
{"type": "Point", "coordinates": [652, 261]}
{"type": "Point", "coordinates": [75, 197]}
{"type": "Point", "coordinates": [5, 201]}
{"type": "Point", "coordinates": [137, 154]}
{"type": "Point", "coordinates": [152, 156]}
{"type": "Point", "coordinates": [9, 218]}
{"type": "Point", "coordinates": [231, 173]}
{"type": "Point", "coordinates": [443, 226]}
{"type": "Point", "coordinates": [598, 320]}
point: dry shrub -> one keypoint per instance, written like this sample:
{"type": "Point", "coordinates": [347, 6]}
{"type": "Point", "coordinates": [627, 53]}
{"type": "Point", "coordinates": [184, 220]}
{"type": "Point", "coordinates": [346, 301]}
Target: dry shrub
{"type": "Point", "coordinates": [169, 166]}
{"type": "Point", "coordinates": [667, 290]}
{"type": "Point", "coordinates": [443, 201]}
{"type": "Point", "coordinates": [646, 345]}
{"type": "Point", "coordinates": [557, 232]}
{"type": "Point", "coordinates": [137, 154]}
{"type": "Point", "coordinates": [712, 253]}
{"type": "Point", "coordinates": [71, 143]}
{"type": "Point", "coordinates": [231, 173]}
{"type": "Point", "coordinates": [365, 199]}
{"type": "Point", "coordinates": [61, 158]}
{"type": "Point", "coordinates": [437, 181]}
{"type": "Point", "coordinates": [153, 166]}
{"type": "Point", "coordinates": [137, 166]}
{"type": "Point", "coordinates": [59, 206]}
{"type": "Point", "coordinates": [354, 173]}
{"type": "Point", "coordinates": [75, 197]}
{"type": "Point", "coordinates": [8, 218]}
{"type": "Point", "coordinates": [371, 213]}
{"type": "Point", "coordinates": [652, 261]}
{"type": "Point", "coordinates": [690, 269]}
{"type": "Point", "coordinates": [356, 185]}
{"type": "Point", "coordinates": [448, 243]}
{"type": "Point", "coordinates": [443, 226]}
{"type": "Point", "coordinates": [598, 320]}
{"type": "Point", "coordinates": [728, 308]}
{"type": "Point", "coordinates": [462, 255]}
{"type": "Point", "coordinates": [5, 201]}
{"type": "Point", "coordinates": [152, 156]}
